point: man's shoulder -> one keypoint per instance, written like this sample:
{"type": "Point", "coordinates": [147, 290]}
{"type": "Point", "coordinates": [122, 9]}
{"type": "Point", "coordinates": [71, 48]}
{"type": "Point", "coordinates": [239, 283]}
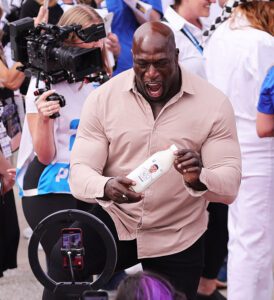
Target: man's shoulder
{"type": "Point", "coordinates": [114, 86]}
{"type": "Point", "coordinates": [207, 101]}
{"type": "Point", "coordinates": [119, 82]}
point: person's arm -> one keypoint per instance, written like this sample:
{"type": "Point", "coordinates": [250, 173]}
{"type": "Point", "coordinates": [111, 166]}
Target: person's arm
{"type": "Point", "coordinates": [112, 44]}
{"type": "Point", "coordinates": [265, 125]}
{"type": "Point", "coordinates": [11, 78]}
{"type": "Point", "coordinates": [88, 158]}
{"type": "Point", "coordinates": [265, 113]}
{"type": "Point", "coordinates": [4, 164]}
{"type": "Point", "coordinates": [220, 175]}
{"type": "Point", "coordinates": [89, 153]}
{"type": "Point", "coordinates": [42, 17]}
{"type": "Point", "coordinates": [42, 128]}
{"type": "Point", "coordinates": [8, 174]}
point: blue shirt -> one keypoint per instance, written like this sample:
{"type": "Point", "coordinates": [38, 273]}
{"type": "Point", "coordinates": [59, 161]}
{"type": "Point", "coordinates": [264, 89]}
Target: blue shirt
{"type": "Point", "coordinates": [266, 100]}
{"type": "Point", "coordinates": [124, 25]}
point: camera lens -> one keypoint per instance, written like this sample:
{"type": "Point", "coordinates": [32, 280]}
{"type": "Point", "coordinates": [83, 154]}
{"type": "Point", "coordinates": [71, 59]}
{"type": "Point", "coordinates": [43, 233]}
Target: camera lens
{"type": "Point", "coordinates": [78, 60]}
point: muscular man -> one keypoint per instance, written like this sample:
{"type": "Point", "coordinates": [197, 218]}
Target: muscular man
{"type": "Point", "coordinates": [137, 113]}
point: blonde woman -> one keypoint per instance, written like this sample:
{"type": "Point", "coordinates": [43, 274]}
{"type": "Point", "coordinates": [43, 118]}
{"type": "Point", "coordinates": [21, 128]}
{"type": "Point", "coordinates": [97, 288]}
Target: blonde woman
{"type": "Point", "coordinates": [43, 161]}
{"type": "Point", "coordinates": [238, 56]}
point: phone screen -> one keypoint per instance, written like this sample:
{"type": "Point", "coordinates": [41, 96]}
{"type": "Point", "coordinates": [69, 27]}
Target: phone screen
{"type": "Point", "coordinates": [72, 240]}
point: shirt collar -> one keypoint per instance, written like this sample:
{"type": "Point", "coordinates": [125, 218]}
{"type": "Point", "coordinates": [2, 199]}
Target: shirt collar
{"type": "Point", "coordinates": [187, 85]}
{"type": "Point", "coordinates": [177, 22]}
{"type": "Point", "coordinates": [174, 19]}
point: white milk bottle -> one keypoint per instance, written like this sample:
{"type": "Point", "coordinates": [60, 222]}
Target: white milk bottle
{"type": "Point", "coordinates": [152, 169]}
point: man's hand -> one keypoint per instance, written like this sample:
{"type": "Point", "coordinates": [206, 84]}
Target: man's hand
{"type": "Point", "coordinates": [189, 164]}
{"type": "Point", "coordinates": [118, 190]}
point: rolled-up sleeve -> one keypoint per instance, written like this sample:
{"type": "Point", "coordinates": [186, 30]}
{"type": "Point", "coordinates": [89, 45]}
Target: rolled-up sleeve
{"type": "Point", "coordinates": [89, 153]}
{"type": "Point", "coordinates": [222, 157]}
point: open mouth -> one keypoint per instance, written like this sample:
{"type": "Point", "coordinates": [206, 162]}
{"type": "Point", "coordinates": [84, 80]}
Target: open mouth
{"type": "Point", "coordinates": [154, 89]}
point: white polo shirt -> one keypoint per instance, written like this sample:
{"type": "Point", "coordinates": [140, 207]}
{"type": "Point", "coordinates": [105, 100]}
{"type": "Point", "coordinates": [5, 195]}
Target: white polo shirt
{"type": "Point", "coordinates": [189, 55]}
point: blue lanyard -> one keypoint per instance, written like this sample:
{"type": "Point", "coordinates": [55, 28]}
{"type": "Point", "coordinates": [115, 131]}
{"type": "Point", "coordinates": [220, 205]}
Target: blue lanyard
{"type": "Point", "coordinates": [192, 38]}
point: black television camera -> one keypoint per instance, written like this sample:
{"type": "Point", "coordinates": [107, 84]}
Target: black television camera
{"type": "Point", "coordinates": [41, 50]}
{"type": "Point", "coordinates": [43, 54]}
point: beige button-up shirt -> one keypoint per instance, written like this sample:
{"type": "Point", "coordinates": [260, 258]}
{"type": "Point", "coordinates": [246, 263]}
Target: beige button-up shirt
{"type": "Point", "coordinates": [117, 132]}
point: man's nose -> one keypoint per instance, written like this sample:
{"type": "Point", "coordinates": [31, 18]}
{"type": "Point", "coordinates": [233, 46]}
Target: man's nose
{"type": "Point", "coordinates": [152, 72]}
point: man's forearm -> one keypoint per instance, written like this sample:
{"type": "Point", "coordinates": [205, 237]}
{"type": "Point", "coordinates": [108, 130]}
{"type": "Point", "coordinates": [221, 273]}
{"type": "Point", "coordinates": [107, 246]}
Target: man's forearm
{"type": "Point", "coordinates": [222, 184]}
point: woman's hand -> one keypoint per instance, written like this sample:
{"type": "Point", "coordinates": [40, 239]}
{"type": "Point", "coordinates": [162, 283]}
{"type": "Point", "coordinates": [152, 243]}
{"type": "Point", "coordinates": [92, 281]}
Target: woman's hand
{"type": "Point", "coordinates": [112, 44]}
{"type": "Point", "coordinates": [42, 17]}
{"type": "Point", "coordinates": [47, 108]}
{"type": "Point", "coordinates": [11, 78]}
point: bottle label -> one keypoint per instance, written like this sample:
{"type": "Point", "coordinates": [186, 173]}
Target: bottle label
{"type": "Point", "coordinates": [153, 168]}
{"type": "Point", "coordinates": [150, 171]}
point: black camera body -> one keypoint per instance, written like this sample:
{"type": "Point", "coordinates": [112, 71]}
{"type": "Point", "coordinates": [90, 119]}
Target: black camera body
{"type": "Point", "coordinates": [41, 50]}
{"type": "Point", "coordinates": [43, 54]}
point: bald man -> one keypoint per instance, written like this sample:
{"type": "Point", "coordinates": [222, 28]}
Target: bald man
{"type": "Point", "coordinates": [132, 116]}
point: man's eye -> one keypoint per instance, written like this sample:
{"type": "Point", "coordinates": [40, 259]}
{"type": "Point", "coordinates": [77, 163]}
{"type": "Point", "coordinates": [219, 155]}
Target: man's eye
{"type": "Point", "coordinates": [142, 65]}
{"type": "Point", "coordinates": [161, 64]}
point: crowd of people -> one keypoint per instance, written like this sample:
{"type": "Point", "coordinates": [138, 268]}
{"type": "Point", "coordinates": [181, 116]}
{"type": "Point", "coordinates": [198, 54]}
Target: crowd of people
{"type": "Point", "coordinates": [175, 72]}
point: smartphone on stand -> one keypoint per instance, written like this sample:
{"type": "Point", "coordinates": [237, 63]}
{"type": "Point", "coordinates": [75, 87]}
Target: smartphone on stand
{"type": "Point", "coordinates": [72, 242]}
{"type": "Point", "coordinates": [94, 295]}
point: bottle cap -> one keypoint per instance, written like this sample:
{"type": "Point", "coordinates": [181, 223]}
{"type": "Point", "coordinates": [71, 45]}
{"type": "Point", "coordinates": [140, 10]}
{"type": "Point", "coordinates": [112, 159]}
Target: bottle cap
{"type": "Point", "coordinates": [173, 148]}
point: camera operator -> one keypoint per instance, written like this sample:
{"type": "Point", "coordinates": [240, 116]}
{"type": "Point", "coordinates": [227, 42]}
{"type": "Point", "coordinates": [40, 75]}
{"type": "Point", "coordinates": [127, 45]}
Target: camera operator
{"type": "Point", "coordinates": [43, 162]}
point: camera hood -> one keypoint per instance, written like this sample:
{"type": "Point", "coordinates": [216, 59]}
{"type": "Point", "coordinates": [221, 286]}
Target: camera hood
{"type": "Point", "coordinates": [93, 33]}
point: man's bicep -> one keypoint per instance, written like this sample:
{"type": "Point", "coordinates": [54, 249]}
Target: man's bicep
{"type": "Point", "coordinates": [88, 157]}
{"type": "Point", "coordinates": [220, 153]}
{"type": "Point", "coordinates": [91, 144]}
{"type": "Point", "coordinates": [222, 144]}
{"type": "Point", "coordinates": [221, 157]}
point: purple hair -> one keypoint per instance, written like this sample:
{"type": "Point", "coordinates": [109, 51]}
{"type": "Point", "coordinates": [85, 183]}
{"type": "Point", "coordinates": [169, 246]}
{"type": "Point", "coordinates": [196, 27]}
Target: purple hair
{"type": "Point", "coordinates": [152, 288]}
{"type": "Point", "coordinates": [147, 286]}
